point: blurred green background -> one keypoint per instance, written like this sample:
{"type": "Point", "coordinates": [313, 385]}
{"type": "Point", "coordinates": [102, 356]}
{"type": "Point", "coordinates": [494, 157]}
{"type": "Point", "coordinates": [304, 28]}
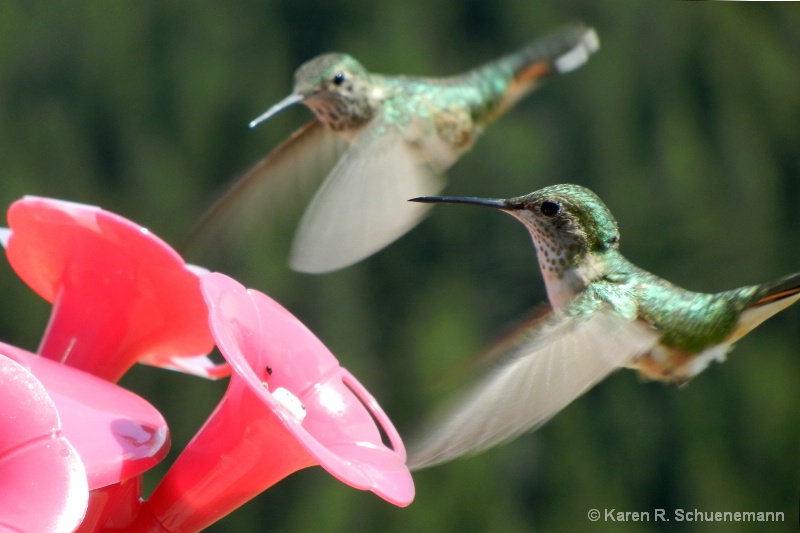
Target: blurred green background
{"type": "Point", "coordinates": [687, 123]}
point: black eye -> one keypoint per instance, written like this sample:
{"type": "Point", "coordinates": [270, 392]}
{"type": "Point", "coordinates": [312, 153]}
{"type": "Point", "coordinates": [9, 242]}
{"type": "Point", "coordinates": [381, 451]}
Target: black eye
{"type": "Point", "coordinates": [549, 209]}
{"type": "Point", "coordinates": [338, 78]}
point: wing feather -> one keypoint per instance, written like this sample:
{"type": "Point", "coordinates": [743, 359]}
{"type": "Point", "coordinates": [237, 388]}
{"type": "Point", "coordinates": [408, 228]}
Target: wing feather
{"type": "Point", "coordinates": [544, 371]}
{"type": "Point", "coordinates": [363, 204]}
{"type": "Point", "coordinates": [285, 177]}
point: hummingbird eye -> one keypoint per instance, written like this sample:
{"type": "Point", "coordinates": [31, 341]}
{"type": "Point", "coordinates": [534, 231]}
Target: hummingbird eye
{"type": "Point", "coordinates": [338, 78]}
{"type": "Point", "coordinates": [549, 209]}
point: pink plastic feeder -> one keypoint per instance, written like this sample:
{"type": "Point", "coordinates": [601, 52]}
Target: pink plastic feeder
{"type": "Point", "coordinates": [42, 479]}
{"type": "Point", "coordinates": [289, 406]}
{"type": "Point", "coordinates": [119, 294]}
{"type": "Point", "coordinates": [117, 435]}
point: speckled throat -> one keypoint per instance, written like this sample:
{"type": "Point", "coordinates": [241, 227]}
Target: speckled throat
{"type": "Point", "coordinates": [561, 262]}
{"type": "Point", "coordinates": [555, 255]}
{"type": "Point", "coordinates": [349, 106]}
{"type": "Point", "coordinates": [338, 114]}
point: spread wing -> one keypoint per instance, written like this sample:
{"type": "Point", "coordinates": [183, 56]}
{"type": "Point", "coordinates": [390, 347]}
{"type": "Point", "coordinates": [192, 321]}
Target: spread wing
{"type": "Point", "coordinates": [362, 205]}
{"type": "Point", "coordinates": [544, 370]}
{"type": "Point", "coordinates": [284, 178]}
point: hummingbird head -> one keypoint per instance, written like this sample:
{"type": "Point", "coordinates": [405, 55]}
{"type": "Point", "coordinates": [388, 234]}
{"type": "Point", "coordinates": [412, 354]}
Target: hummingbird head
{"type": "Point", "coordinates": [334, 73]}
{"type": "Point", "coordinates": [335, 87]}
{"type": "Point", "coordinates": [566, 223]}
{"type": "Point", "coordinates": [569, 225]}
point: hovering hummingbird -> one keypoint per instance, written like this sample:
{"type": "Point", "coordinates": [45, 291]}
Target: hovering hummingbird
{"type": "Point", "coordinates": [381, 140]}
{"type": "Point", "coordinates": [606, 313]}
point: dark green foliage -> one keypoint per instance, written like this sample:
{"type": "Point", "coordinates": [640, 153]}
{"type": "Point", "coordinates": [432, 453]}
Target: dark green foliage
{"type": "Point", "coordinates": [686, 123]}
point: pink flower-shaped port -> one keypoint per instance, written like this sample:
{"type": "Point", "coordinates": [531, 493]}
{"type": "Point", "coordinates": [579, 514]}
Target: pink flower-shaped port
{"type": "Point", "coordinates": [271, 350]}
{"type": "Point", "coordinates": [119, 294]}
{"type": "Point", "coordinates": [117, 435]}
{"type": "Point", "coordinates": [42, 479]}
{"type": "Point", "coordinates": [289, 405]}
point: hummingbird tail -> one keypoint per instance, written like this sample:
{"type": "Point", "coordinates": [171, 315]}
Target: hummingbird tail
{"type": "Point", "coordinates": [560, 52]}
{"type": "Point", "coordinates": [770, 298]}
{"type": "Point", "coordinates": [779, 289]}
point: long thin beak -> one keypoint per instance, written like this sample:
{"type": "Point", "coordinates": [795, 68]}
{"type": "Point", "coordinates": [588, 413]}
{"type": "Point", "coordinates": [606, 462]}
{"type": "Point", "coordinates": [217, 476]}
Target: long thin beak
{"type": "Point", "coordinates": [280, 106]}
{"type": "Point", "coordinates": [485, 202]}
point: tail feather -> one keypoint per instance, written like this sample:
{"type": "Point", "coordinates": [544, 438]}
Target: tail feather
{"type": "Point", "coordinates": [558, 53]}
{"type": "Point", "coordinates": [770, 298]}
{"type": "Point", "coordinates": [779, 289]}
{"type": "Point", "coordinates": [523, 71]}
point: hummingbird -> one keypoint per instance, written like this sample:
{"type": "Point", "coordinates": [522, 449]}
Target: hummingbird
{"type": "Point", "coordinates": [378, 140]}
{"type": "Point", "coordinates": [606, 313]}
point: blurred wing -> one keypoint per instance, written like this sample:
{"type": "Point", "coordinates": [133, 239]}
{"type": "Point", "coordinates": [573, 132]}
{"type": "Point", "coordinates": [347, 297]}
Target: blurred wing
{"type": "Point", "coordinates": [543, 372]}
{"type": "Point", "coordinates": [284, 177]}
{"type": "Point", "coordinates": [499, 349]}
{"type": "Point", "coordinates": [363, 204]}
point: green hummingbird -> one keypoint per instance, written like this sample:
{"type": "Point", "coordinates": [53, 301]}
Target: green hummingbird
{"type": "Point", "coordinates": [378, 140]}
{"type": "Point", "coordinates": [606, 313]}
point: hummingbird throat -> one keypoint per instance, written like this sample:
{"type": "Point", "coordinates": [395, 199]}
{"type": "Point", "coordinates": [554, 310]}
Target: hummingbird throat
{"type": "Point", "coordinates": [565, 270]}
{"type": "Point", "coordinates": [333, 113]}
{"type": "Point", "coordinates": [562, 284]}
{"type": "Point", "coordinates": [342, 111]}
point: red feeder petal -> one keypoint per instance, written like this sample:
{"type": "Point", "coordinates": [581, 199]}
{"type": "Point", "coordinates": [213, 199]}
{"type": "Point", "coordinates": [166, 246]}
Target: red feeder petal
{"type": "Point", "coordinates": [117, 434]}
{"type": "Point", "coordinates": [42, 479]}
{"type": "Point", "coordinates": [257, 435]}
{"type": "Point", "coordinates": [119, 294]}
